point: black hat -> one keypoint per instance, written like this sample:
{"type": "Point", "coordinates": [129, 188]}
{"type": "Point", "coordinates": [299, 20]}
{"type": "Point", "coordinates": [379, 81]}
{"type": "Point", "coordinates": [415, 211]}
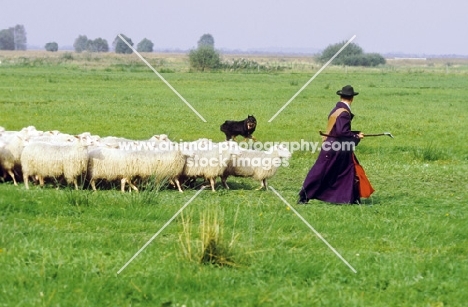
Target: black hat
{"type": "Point", "coordinates": [347, 91]}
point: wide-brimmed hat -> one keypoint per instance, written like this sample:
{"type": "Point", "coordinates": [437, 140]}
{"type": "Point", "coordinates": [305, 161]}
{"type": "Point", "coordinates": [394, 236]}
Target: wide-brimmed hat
{"type": "Point", "coordinates": [348, 91]}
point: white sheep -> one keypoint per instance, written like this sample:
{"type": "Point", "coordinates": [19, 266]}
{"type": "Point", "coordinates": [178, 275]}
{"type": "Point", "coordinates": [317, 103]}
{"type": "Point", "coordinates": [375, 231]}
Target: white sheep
{"type": "Point", "coordinates": [124, 165]}
{"type": "Point", "coordinates": [210, 159]}
{"type": "Point", "coordinates": [53, 160]}
{"type": "Point", "coordinates": [162, 164]}
{"type": "Point", "coordinates": [111, 163]}
{"type": "Point", "coordinates": [259, 165]}
{"type": "Point", "coordinates": [10, 153]}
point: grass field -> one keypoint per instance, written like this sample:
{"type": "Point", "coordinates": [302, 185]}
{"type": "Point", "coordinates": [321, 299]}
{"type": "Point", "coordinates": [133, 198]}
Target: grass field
{"type": "Point", "coordinates": [408, 242]}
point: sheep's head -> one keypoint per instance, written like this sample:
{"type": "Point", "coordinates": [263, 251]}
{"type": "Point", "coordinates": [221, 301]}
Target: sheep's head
{"type": "Point", "coordinates": [51, 133]}
{"type": "Point", "coordinates": [159, 138]}
{"type": "Point", "coordinates": [30, 132]}
{"type": "Point", "coordinates": [282, 150]}
{"type": "Point", "coordinates": [80, 140]}
{"type": "Point", "coordinates": [231, 147]}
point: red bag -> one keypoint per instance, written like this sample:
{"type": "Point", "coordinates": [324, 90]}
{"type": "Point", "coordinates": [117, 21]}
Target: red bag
{"type": "Point", "coordinates": [365, 187]}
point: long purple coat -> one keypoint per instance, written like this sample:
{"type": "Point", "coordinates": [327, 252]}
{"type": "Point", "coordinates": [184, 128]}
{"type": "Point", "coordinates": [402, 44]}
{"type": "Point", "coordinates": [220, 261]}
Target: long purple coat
{"type": "Point", "coordinates": [333, 178]}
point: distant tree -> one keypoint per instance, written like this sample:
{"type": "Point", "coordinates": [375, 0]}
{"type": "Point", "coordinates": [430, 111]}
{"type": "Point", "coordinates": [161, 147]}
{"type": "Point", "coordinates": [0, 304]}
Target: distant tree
{"type": "Point", "coordinates": [145, 46]}
{"type": "Point", "coordinates": [90, 46]}
{"type": "Point", "coordinates": [7, 40]}
{"type": "Point", "coordinates": [97, 45]}
{"type": "Point", "coordinates": [352, 55]}
{"type": "Point", "coordinates": [19, 33]}
{"type": "Point", "coordinates": [13, 38]}
{"type": "Point", "coordinates": [204, 57]}
{"type": "Point", "coordinates": [120, 46]}
{"type": "Point", "coordinates": [206, 40]}
{"type": "Point", "coordinates": [101, 45]}
{"type": "Point", "coordinates": [52, 46]}
{"type": "Point", "coordinates": [81, 43]}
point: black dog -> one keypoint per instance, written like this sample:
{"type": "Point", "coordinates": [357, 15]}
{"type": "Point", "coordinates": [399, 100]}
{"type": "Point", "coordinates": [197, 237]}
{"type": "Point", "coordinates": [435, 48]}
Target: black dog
{"type": "Point", "coordinates": [244, 127]}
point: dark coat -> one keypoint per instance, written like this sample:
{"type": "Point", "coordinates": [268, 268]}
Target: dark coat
{"type": "Point", "coordinates": [332, 177]}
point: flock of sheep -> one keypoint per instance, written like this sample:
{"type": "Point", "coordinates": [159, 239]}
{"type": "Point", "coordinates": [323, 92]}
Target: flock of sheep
{"type": "Point", "coordinates": [51, 154]}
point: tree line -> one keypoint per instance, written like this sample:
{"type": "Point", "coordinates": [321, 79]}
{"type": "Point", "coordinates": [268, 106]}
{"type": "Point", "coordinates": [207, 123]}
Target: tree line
{"type": "Point", "coordinates": [15, 38]}
{"type": "Point", "coordinates": [204, 57]}
{"type": "Point", "coordinates": [82, 43]}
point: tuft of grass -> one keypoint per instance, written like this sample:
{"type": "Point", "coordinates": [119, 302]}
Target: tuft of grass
{"type": "Point", "coordinates": [294, 82]}
{"type": "Point", "coordinates": [430, 153]}
{"type": "Point", "coordinates": [211, 247]}
{"type": "Point", "coordinates": [149, 192]}
{"type": "Point", "coordinates": [213, 250]}
{"type": "Point", "coordinates": [77, 198]}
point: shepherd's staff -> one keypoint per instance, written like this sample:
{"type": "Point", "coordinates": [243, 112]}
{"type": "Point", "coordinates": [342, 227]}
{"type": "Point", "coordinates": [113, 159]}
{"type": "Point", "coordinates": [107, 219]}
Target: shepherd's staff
{"type": "Point", "coordinates": [371, 134]}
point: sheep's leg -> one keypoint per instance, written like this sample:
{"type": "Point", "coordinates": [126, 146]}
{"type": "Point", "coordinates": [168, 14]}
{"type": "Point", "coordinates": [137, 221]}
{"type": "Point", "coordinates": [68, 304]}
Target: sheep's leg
{"type": "Point", "coordinates": [223, 180]}
{"type": "Point", "coordinates": [12, 175]}
{"type": "Point", "coordinates": [41, 181]}
{"type": "Point", "coordinates": [75, 182]}
{"type": "Point", "coordinates": [178, 185]}
{"type": "Point", "coordinates": [26, 181]}
{"type": "Point", "coordinates": [263, 184]}
{"type": "Point", "coordinates": [122, 184]}
{"type": "Point", "coordinates": [93, 184]}
{"type": "Point", "coordinates": [132, 185]}
{"type": "Point", "coordinates": [172, 183]}
{"type": "Point", "coordinates": [212, 183]}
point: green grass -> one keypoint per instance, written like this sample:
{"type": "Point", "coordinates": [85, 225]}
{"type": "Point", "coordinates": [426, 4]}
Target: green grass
{"type": "Point", "coordinates": [408, 242]}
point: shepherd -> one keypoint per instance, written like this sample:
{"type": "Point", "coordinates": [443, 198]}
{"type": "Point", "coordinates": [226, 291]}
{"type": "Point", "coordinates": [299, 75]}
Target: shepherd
{"type": "Point", "coordinates": [337, 177]}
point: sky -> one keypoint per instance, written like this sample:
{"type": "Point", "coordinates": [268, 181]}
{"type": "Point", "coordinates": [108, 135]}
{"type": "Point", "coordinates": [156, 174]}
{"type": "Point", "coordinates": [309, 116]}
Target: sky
{"type": "Point", "coordinates": [416, 27]}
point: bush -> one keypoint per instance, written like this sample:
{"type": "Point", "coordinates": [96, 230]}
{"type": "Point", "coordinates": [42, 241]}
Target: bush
{"type": "Point", "coordinates": [52, 46]}
{"type": "Point", "coordinates": [352, 55]}
{"type": "Point", "coordinates": [350, 50]}
{"type": "Point", "coordinates": [204, 57]}
{"type": "Point", "coordinates": [67, 56]}
{"type": "Point", "coordinates": [242, 64]}
{"type": "Point", "coordinates": [370, 59]}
